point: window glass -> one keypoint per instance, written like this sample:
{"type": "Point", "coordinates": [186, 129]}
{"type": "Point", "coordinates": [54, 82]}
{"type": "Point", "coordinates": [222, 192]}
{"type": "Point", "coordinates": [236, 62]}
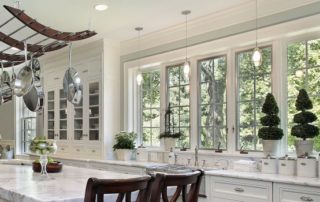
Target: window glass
{"type": "Point", "coordinates": [150, 108]}
{"type": "Point", "coordinates": [253, 85]}
{"type": "Point", "coordinates": [213, 103]}
{"type": "Point", "coordinates": [303, 72]}
{"type": "Point", "coordinates": [179, 100]}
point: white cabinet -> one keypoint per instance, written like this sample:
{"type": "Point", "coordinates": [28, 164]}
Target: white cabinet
{"type": "Point", "coordinates": [295, 193]}
{"type": "Point", "coordinates": [76, 128]}
{"type": "Point", "coordinates": [225, 189]}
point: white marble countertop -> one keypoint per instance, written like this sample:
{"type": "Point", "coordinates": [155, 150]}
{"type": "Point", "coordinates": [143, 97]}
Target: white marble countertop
{"type": "Point", "coordinates": [266, 177]}
{"type": "Point", "coordinates": [19, 183]}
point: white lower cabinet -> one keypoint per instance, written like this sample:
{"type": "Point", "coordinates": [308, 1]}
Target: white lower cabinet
{"type": "Point", "coordinates": [295, 193]}
{"type": "Point", "coordinates": [225, 189]}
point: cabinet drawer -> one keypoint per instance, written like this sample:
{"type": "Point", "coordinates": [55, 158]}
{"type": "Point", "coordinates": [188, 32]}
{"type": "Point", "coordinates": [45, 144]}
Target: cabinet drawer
{"type": "Point", "coordinates": [296, 193]}
{"type": "Point", "coordinates": [78, 150]}
{"type": "Point", "coordinates": [239, 189]}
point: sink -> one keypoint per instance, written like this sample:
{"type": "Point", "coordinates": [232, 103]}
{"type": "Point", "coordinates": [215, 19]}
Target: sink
{"type": "Point", "coordinates": [176, 169]}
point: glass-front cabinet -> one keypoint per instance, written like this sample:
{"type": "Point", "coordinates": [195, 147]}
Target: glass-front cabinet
{"type": "Point", "coordinates": [78, 121]}
{"type": "Point", "coordinates": [94, 109]}
{"type": "Point", "coordinates": [50, 115]}
{"type": "Point", "coordinates": [63, 120]}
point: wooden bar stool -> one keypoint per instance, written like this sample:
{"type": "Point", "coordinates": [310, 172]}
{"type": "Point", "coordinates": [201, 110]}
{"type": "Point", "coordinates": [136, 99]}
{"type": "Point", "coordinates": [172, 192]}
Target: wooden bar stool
{"type": "Point", "coordinates": [122, 187]}
{"type": "Point", "coordinates": [181, 181]}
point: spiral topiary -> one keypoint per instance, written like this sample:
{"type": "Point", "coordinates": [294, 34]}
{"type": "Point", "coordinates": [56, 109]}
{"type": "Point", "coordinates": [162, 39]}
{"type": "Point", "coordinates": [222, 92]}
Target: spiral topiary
{"type": "Point", "coordinates": [304, 129]}
{"type": "Point", "coordinates": [270, 131]}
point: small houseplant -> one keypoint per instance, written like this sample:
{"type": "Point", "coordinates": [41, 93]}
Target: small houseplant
{"type": "Point", "coordinates": [169, 135]}
{"type": "Point", "coordinates": [270, 133]}
{"type": "Point", "coordinates": [125, 144]}
{"type": "Point", "coordinates": [303, 128]}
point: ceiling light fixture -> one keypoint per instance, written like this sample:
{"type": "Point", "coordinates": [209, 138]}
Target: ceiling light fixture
{"type": "Point", "coordinates": [139, 75]}
{"type": "Point", "coordinates": [186, 65]}
{"type": "Point", "coordinates": [101, 7]}
{"type": "Point", "coordinates": [14, 49]}
{"type": "Point", "coordinates": [257, 55]}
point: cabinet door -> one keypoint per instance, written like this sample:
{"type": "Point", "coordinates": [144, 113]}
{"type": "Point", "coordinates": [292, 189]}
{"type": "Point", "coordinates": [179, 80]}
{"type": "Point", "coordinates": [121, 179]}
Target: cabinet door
{"type": "Point", "coordinates": [62, 113]}
{"type": "Point", "coordinates": [94, 98]}
{"type": "Point", "coordinates": [50, 114]}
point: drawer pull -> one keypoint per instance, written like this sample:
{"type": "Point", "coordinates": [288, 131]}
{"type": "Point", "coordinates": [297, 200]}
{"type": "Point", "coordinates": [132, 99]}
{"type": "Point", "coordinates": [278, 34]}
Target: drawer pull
{"type": "Point", "coordinates": [266, 163]}
{"type": "Point", "coordinates": [93, 151]}
{"type": "Point", "coordinates": [238, 189]}
{"type": "Point", "coordinates": [306, 198]}
{"type": "Point", "coordinates": [78, 150]}
{"type": "Point", "coordinates": [62, 148]}
{"type": "Point", "coordinates": [283, 164]}
{"type": "Point", "coordinates": [303, 164]}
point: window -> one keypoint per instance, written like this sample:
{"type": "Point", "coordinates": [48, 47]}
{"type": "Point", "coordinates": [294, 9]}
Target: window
{"type": "Point", "coordinates": [303, 72]}
{"type": "Point", "coordinates": [213, 103]}
{"type": "Point", "coordinates": [28, 127]}
{"type": "Point", "coordinates": [253, 85]}
{"type": "Point", "coordinates": [151, 108]}
{"type": "Point", "coordinates": [179, 100]}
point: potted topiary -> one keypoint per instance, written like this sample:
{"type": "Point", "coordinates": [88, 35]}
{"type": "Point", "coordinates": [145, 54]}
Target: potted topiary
{"type": "Point", "coordinates": [125, 143]}
{"type": "Point", "coordinates": [304, 129]}
{"type": "Point", "coordinates": [169, 135]}
{"type": "Point", "coordinates": [270, 133]}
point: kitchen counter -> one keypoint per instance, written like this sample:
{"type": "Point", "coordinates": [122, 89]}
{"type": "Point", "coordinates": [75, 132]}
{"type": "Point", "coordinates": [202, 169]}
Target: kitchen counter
{"type": "Point", "coordinates": [315, 182]}
{"type": "Point", "coordinates": [19, 183]}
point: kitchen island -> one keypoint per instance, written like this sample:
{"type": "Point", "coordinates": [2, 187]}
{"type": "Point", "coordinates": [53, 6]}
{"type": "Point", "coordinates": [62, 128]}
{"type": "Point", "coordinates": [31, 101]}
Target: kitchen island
{"type": "Point", "coordinates": [19, 183]}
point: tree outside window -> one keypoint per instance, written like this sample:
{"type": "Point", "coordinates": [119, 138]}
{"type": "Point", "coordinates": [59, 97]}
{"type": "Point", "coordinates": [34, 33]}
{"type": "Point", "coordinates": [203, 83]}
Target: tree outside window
{"type": "Point", "coordinates": [253, 85]}
{"type": "Point", "coordinates": [213, 103]}
{"type": "Point", "coordinates": [150, 102]}
{"type": "Point", "coordinates": [303, 72]}
{"type": "Point", "coordinates": [178, 94]}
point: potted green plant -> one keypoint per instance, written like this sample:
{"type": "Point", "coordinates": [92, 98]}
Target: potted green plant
{"type": "Point", "coordinates": [124, 146]}
{"type": "Point", "coordinates": [169, 135]}
{"type": "Point", "coordinates": [270, 133]}
{"type": "Point", "coordinates": [303, 128]}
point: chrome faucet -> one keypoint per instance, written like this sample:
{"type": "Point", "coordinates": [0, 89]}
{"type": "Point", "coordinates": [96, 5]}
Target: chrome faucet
{"type": "Point", "coordinates": [196, 160]}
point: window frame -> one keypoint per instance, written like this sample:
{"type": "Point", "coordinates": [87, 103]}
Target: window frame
{"type": "Point", "coordinates": [198, 67]}
{"type": "Point", "coordinates": [236, 77]}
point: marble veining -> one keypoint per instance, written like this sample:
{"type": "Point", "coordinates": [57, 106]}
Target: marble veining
{"type": "Point", "coordinates": [19, 183]}
{"type": "Point", "coordinates": [267, 177]}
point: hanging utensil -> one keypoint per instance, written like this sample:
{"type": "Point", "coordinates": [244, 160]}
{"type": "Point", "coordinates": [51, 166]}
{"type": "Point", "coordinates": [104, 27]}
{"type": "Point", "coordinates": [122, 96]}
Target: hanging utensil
{"type": "Point", "coordinates": [5, 89]}
{"type": "Point", "coordinates": [13, 78]}
{"type": "Point", "coordinates": [35, 63]}
{"type": "Point", "coordinates": [24, 80]}
{"type": "Point", "coordinates": [34, 98]}
{"type": "Point", "coordinates": [72, 86]}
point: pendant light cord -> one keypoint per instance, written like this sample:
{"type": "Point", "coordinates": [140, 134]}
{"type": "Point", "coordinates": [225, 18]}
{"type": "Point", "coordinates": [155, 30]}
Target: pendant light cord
{"type": "Point", "coordinates": [256, 23]}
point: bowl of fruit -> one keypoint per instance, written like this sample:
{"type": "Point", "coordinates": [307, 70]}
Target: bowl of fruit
{"type": "Point", "coordinates": [41, 146]}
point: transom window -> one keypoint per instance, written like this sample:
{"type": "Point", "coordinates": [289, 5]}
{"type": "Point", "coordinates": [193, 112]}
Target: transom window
{"type": "Point", "coordinates": [150, 103]}
{"type": "Point", "coordinates": [179, 99]}
{"type": "Point", "coordinates": [213, 103]}
{"type": "Point", "coordinates": [303, 72]}
{"type": "Point", "coordinates": [253, 85]}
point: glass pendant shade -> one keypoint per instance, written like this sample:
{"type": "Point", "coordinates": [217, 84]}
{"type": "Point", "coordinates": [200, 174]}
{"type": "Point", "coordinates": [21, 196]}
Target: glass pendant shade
{"type": "Point", "coordinates": [186, 68]}
{"type": "Point", "coordinates": [139, 79]}
{"type": "Point", "coordinates": [299, 73]}
{"type": "Point", "coordinates": [257, 57]}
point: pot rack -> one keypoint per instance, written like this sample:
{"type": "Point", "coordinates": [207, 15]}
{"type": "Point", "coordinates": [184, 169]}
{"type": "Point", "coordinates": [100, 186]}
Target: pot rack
{"type": "Point", "coordinates": [61, 39]}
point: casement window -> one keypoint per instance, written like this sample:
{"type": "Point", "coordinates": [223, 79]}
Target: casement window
{"type": "Point", "coordinates": [303, 72]}
{"type": "Point", "coordinates": [212, 102]}
{"type": "Point", "coordinates": [253, 83]}
{"type": "Point", "coordinates": [150, 108]}
{"type": "Point", "coordinates": [178, 96]}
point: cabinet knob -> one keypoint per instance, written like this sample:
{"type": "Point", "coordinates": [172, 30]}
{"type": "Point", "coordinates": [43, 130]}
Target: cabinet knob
{"type": "Point", "coordinates": [93, 151]}
{"type": "Point", "coordinates": [62, 148]}
{"type": "Point", "coordinates": [238, 189]}
{"type": "Point", "coordinates": [306, 198]}
{"type": "Point", "coordinates": [78, 150]}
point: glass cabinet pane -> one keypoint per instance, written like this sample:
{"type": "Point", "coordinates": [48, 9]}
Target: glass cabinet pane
{"type": "Point", "coordinates": [78, 120]}
{"type": "Point", "coordinates": [94, 108]}
{"type": "Point", "coordinates": [63, 126]}
{"type": "Point", "coordinates": [50, 110]}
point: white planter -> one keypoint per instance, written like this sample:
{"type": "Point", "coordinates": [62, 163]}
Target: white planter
{"type": "Point", "coordinates": [169, 143]}
{"type": "Point", "coordinates": [287, 167]}
{"type": "Point", "coordinates": [142, 155]}
{"type": "Point", "coordinates": [304, 146]}
{"type": "Point", "coordinates": [306, 167]}
{"type": "Point", "coordinates": [124, 154]}
{"type": "Point", "coordinates": [271, 147]}
{"type": "Point", "coordinates": [269, 165]}
{"type": "Point", "coordinates": [9, 154]}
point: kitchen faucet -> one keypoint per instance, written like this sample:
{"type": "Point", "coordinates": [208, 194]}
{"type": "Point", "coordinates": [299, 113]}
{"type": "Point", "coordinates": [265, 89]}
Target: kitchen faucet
{"type": "Point", "coordinates": [196, 161]}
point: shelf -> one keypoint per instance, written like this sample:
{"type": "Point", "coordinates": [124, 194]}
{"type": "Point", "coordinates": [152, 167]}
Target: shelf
{"type": "Point", "coordinates": [94, 94]}
{"type": "Point", "coordinates": [50, 129]}
{"type": "Point", "coordinates": [78, 129]}
{"type": "Point", "coordinates": [94, 129]}
{"type": "Point", "coordinates": [63, 109]}
{"type": "Point", "coordinates": [50, 119]}
{"type": "Point", "coordinates": [63, 99]}
{"type": "Point", "coordinates": [63, 119]}
{"type": "Point", "coordinates": [78, 119]}
{"type": "Point", "coordinates": [50, 101]}
{"type": "Point", "coordinates": [78, 107]}
{"type": "Point", "coordinates": [63, 129]}
{"type": "Point", "coordinates": [93, 106]}
{"type": "Point", "coordinates": [50, 110]}
{"type": "Point", "coordinates": [94, 117]}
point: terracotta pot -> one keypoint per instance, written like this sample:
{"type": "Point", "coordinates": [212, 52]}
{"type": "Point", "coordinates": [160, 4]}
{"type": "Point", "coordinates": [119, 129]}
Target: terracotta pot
{"type": "Point", "coordinates": [51, 167]}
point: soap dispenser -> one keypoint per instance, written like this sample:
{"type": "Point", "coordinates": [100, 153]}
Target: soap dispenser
{"type": "Point", "coordinates": [171, 157]}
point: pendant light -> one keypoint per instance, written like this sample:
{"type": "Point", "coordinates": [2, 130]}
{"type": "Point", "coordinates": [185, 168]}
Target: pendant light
{"type": "Point", "coordinates": [139, 76]}
{"type": "Point", "coordinates": [186, 65]}
{"type": "Point", "coordinates": [257, 55]}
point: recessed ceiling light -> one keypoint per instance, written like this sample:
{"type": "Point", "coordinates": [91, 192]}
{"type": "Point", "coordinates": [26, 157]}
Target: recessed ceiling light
{"type": "Point", "coordinates": [101, 7]}
{"type": "Point", "coordinates": [14, 49]}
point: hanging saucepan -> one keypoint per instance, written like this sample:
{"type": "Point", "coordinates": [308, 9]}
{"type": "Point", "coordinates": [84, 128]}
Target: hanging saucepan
{"type": "Point", "coordinates": [72, 86]}
{"type": "Point", "coordinates": [5, 89]}
{"type": "Point", "coordinates": [35, 63]}
{"type": "Point", "coordinates": [34, 98]}
{"type": "Point", "coordinates": [13, 78]}
{"type": "Point", "coordinates": [24, 80]}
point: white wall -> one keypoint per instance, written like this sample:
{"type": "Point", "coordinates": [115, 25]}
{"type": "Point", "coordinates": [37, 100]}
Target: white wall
{"type": "Point", "coordinates": [7, 121]}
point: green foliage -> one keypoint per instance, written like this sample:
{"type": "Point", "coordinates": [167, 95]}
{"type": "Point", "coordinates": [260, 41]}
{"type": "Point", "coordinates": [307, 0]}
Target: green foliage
{"type": "Point", "coordinates": [125, 140]}
{"type": "Point", "coordinates": [40, 145]}
{"type": "Point", "coordinates": [171, 135]}
{"type": "Point", "coordinates": [270, 131]}
{"type": "Point", "coordinates": [304, 129]}
{"type": "Point", "coordinates": [303, 101]}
